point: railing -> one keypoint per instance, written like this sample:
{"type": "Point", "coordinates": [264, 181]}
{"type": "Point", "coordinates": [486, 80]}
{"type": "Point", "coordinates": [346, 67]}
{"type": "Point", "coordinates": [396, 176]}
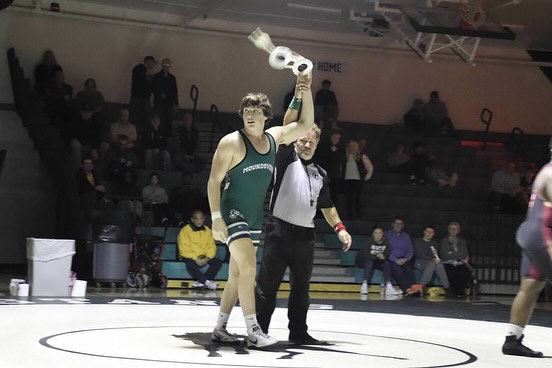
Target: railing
{"type": "Point", "coordinates": [194, 95]}
{"type": "Point", "coordinates": [516, 138]}
{"type": "Point", "coordinates": [486, 117]}
{"type": "Point", "coordinates": [213, 113]}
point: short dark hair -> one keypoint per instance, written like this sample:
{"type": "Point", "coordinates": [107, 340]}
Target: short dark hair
{"type": "Point", "coordinates": [257, 100]}
{"type": "Point", "coordinates": [434, 93]}
{"type": "Point", "coordinates": [154, 174]}
{"type": "Point", "coordinates": [398, 218]}
{"type": "Point", "coordinates": [377, 227]}
{"type": "Point", "coordinates": [429, 227]}
{"type": "Point", "coordinates": [326, 81]}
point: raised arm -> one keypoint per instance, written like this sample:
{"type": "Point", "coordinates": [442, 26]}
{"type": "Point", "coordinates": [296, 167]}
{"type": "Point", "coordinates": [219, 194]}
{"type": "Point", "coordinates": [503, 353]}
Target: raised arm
{"type": "Point", "coordinates": [292, 112]}
{"type": "Point", "coordinates": [292, 131]}
{"type": "Point", "coordinates": [219, 167]}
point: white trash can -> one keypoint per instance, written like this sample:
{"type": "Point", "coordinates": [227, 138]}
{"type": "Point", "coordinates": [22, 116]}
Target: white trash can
{"type": "Point", "coordinates": [49, 266]}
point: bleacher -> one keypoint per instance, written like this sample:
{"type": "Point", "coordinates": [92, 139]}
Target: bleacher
{"type": "Point", "coordinates": [490, 237]}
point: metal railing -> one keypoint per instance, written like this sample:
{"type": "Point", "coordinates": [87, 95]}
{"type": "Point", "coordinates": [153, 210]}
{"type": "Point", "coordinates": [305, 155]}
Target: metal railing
{"type": "Point", "coordinates": [213, 113]}
{"type": "Point", "coordinates": [486, 118]}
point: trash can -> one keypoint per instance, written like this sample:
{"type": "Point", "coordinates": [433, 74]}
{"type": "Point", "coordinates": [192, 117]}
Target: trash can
{"type": "Point", "coordinates": [111, 262]}
{"type": "Point", "coordinates": [49, 266]}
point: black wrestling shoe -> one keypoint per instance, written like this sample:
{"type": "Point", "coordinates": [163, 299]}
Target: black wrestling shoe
{"type": "Point", "coordinates": [513, 346]}
{"type": "Point", "coordinates": [305, 339]}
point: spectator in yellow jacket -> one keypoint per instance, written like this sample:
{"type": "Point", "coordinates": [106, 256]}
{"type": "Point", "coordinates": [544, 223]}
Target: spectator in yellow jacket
{"type": "Point", "coordinates": [196, 248]}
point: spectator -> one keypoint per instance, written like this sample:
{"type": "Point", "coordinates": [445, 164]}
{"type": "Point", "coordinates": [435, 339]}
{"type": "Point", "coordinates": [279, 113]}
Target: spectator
{"type": "Point", "coordinates": [59, 98]}
{"type": "Point", "coordinates": [437, 117]}
{"type": "Point", "coordinates": [414, 119]}
{"type": "Point", "coordinates": [507, 195]}
{"type": "Point", "coordinates": [155, 145]}
{"type": "Point", "coordinates": [400, 258]}
{"type": "Point", "coordinates": [399, 161]}
{"type": "Point", "coordinates": [123, 127]}
{"type": "Point", "coordinates": [428, 261]}
{"type": "Point", "coordinates": [186, 160]}
{"type": "Point", "coordinates": [331, 157]}
{"type": "Point", "coordinates": [121, 159]}
{"type": "Point", "coordinates": [44, 72]}
{"type": "Point", "coordinates": [90, 96]}
{"type": "Point", "coordinates": [196, 248]}
{"type": "Point", "coordinates": [362, 146]}
{"type": "Point", "coordinates": [141, 89]}
{"type": "Point", "coordinates": [155, 198]}
{"type": "Point", "coordinates": [453, 251]}
{"type": "Point", "coordinates": [358, 168]}
{"type": "Point", "coordinates": [326, 106]}
{"type": "Point", "coordinates": [423, 170]}
{"type": "Point", "coordinates": [165, 95]}
{"type": "Point", "coordinates": [528, 179]}
{"type": "Point", "coordinates": [85, 132]}
{"type": "Point", "coordinates": [129, 195]}
{"type": "Point", "coordinates": [91, 191]}
{"type": "Point", "coordinates": [186, 197]}
{"type": "Point", "coordinates": [374, 254]}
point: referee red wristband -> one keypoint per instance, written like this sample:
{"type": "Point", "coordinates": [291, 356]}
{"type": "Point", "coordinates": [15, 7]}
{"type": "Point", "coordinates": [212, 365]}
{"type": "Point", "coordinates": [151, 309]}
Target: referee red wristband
{"type": "Point", "coordinates": [338, 227]}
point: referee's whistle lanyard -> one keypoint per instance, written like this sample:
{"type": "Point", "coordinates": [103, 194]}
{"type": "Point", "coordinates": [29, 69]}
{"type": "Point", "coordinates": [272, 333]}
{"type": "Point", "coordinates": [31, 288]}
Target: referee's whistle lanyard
{"type": "Point", "coordinates": [308, 178]}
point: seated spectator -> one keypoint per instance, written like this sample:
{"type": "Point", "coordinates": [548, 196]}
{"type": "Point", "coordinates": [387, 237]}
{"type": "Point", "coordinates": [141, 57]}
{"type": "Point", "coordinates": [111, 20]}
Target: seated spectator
{"type": "Point", "coordinates": [154, 142]}
{"type": "Point", "coordinates": [59, 98]}
{"type": "Point", "coordinates": [44, 72]}
{"type": "Point", "coordinates": [428, 261]}
{"type": "Point", "coordinates": [414, 119]}
{"type": "Point", "coordinates": [155, 198]}
{"type": "Point", "coordinates": [527, 180]}
{"type": "Point", "coordinates": [326, 107]}
{"type": "Point", "coordinates": [400, 258]}
{"type": "Point", "coordinates": [453, 252]}
{"type": "Point", "coordinates": [374, 254]}
{"type": "Point", "coordinates": [84, 130]}
{"type": "Point", "coordinates": [90, 96]}
{"type": "Point", "coordinates": [121, 159]}
{"type": "Point", "coordinates": [437, 118]}
{"type": "Point", "coordinates": [399, 161]}
{"type": "Point", "coordinates": [186, 160]}
{"type": "Point", "coordinates": [331, 156]}
{"type": "Point", "coordinates": [423, 170]}
{"type": "Point", "coordinates": [196, 247]}
{"type": "Point", "coordinates": [121, 127]}
{"type": "Point", "coordinates": [186, 197]}
{"type": "Point", "coordinates": [358, 168]}
{"type": "Point", "coordinates": [129, 195]}
{"type": "Point", "coordinates": [506, 194]}
{"type": "Point", "coordinates": [91, 191]}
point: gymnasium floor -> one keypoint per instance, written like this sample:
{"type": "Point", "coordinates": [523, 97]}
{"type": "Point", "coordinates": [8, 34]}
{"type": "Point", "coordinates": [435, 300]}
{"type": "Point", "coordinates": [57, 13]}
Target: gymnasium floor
{"type": "Point", "coordinates": [157, 328]}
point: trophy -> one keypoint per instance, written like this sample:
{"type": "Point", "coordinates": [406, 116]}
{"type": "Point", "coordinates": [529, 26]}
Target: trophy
{"type": "Point", "coordinates": [281, 57]}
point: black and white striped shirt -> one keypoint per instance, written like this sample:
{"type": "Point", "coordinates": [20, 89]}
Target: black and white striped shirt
{"type": "Point", "coordinates": [300, 187]}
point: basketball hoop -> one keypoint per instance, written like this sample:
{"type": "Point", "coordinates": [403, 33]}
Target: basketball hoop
{"type": "Point", "coordinates": [472, 15]}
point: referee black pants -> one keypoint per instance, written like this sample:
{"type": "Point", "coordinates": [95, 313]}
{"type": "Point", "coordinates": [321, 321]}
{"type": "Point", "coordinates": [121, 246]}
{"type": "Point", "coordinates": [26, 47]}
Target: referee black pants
{"type": "Point", "coordinates": [292, 246]}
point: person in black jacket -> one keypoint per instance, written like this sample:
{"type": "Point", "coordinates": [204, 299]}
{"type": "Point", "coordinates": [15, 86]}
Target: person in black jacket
{"type": "Point", "coordinates": [187, 160]}
{"type": "Point", "coordinates": [165, 95]}
{"type": "Point", "coordinates": [140, 92]}
{"type": "Point", "coordinates": [90, 189]}
{"type": "Point", "coordinates": [44, 72]}
{"type": "Point", "coordinates": [155, 143]}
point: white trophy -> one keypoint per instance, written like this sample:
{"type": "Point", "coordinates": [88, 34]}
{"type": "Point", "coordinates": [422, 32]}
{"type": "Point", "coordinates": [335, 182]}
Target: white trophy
{"type": "Point", "coordinates": [281, 57]}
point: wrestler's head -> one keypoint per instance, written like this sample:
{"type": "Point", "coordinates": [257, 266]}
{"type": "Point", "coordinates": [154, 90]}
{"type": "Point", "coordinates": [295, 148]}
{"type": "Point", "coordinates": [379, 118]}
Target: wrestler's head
{"type": "Point", "coordinates": [255, 109]}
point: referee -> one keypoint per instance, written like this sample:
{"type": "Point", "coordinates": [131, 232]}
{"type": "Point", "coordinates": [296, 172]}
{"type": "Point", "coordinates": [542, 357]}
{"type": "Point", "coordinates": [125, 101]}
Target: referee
{"type": "Point", "coordinates": [300, 187]}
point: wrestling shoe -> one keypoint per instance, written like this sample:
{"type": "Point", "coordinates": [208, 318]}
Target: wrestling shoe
{"type": "Point", "coordinates": [513, 346]}
{"type": "Point", "coordinates": [221, 334]}
{"type": "Point", "coordinates": [259, 339]}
